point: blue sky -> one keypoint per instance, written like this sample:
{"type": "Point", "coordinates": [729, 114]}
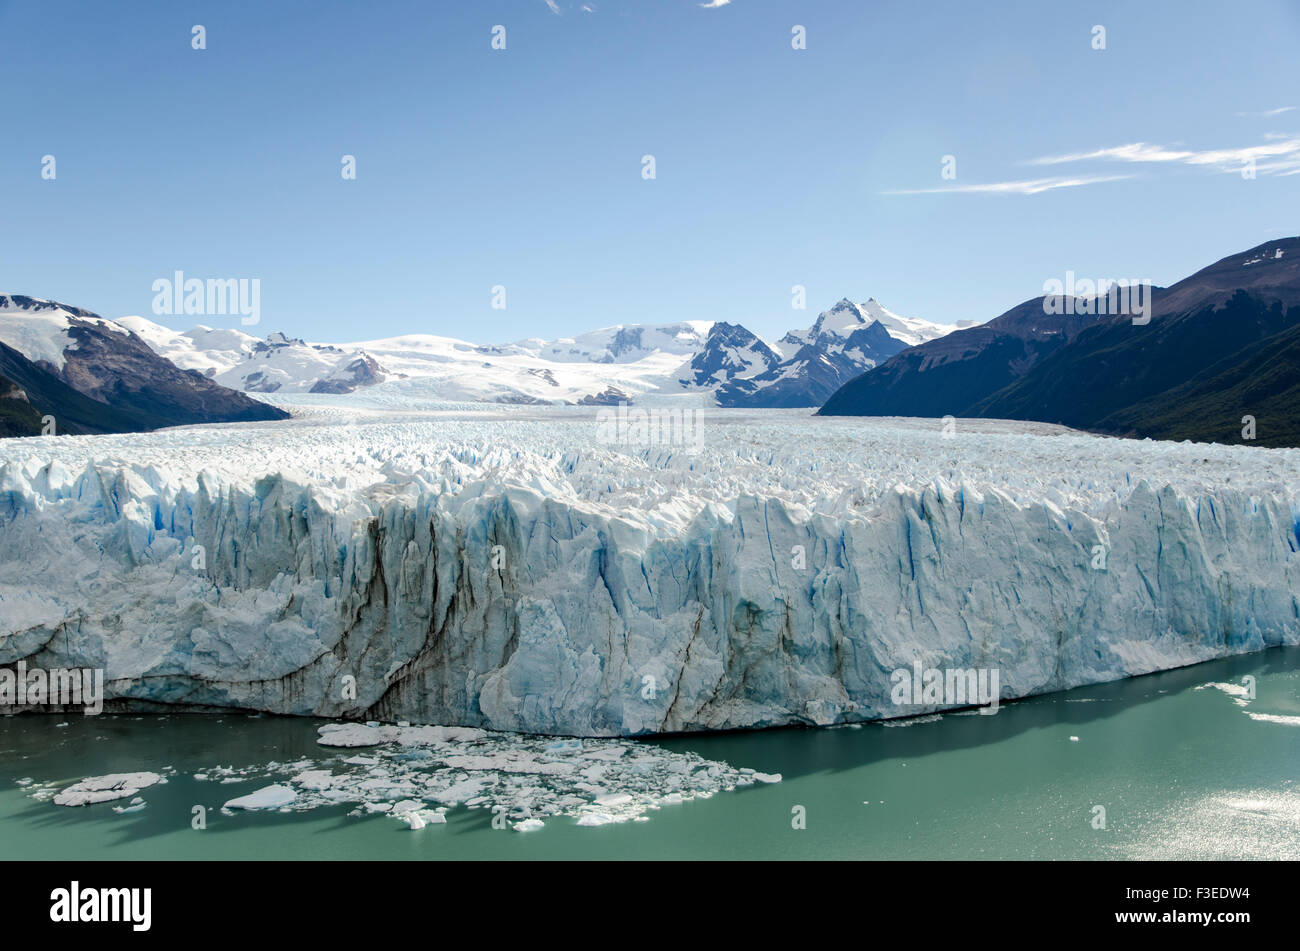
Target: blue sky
{"type": "Point", "coordinates": [522, 167]}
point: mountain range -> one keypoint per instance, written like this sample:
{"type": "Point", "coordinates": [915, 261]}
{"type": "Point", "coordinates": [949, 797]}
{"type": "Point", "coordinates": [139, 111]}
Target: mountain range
{"type": "Point", "coordinates": [1219, 351]}
{"type": "Point", "coordinates": [719, 362]}
{"type": "Point", "coordinates": [55, 355]}
{"type": "Point", "coordinates": [1216, 358]}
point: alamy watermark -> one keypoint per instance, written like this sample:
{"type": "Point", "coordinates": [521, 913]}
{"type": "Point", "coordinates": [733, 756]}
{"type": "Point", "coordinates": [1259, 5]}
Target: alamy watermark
{"type": "Point", "coordinates": [214, 297]}
{"type": "Point", "coordinates": [59, 686]}
{"type": "Point", "coordinates": [652, 426]}
{"type": "Point", "coordinates": [78, 903]}
{"type": "Point", "coordinates": [946, 686]}
{"type": "Point", "coordinates": [1101, 297]}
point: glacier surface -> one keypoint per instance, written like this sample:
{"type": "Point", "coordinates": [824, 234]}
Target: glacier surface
{"type": "Point", "coordinates": [504, 569]}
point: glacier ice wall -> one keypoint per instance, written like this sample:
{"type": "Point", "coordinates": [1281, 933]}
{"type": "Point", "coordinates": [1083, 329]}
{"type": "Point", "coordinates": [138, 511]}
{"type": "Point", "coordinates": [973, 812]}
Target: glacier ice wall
{"type": "Point", "coordinates": [463, 591]}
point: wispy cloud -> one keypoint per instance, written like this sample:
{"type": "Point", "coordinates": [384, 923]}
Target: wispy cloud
{"type": "Point", "coordinates": [1133, 152]}
{"type": "Point", "coordinates": [554, 7]}
{"type": "Point", "coordinates": [1268, 113]}
{"type": "Point", "coordinates": [1280, 153]}
{"type": "Point", "coordinates": [714, 4]}
{"type": "Point", "coordinates": [1031, 186]}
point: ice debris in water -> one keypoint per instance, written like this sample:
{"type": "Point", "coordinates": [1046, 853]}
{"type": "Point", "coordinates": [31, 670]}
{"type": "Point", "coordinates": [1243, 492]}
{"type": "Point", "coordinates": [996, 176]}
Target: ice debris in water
{"type": "Point", "coordinates": [106, 788]}
{"type": "Point", "coordinates": [1241, 696]}
{"type": "Point", "coordinates": [414, 774]}
{"type": "Point", "coordinates": [1275, 718]}
{"type": "Point", "coordinates": [1239, 692]}
{"type": "Point", "coordinates": [271, 797]}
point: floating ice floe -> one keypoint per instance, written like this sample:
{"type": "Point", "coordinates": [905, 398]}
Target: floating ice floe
{"type": "Point", "coordinates": [106, 788]}
{"type": "Point", "coordinates": [269, 797]}
{"type": "Point", "coordinates": [416, 814]}
{"type": "Point", "coordinates": [414, 774]}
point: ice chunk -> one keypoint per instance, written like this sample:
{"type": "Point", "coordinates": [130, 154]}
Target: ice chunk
{"type": "Point", "coordinates": [105, 788]}
{"type": "Point", "coordinates": [269, 797]}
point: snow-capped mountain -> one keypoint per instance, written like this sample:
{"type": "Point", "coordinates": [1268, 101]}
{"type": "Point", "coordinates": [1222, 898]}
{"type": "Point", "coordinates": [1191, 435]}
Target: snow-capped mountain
{"type": "Point", "coordinates": [94, 375]}
{"type": "Point", "coordinates": [245, 362]}
{"type": "Point", "coordinates": [834, 326]}
{"type": "Point", "coordinates": [576, 371]}
{"type": "Point", "coordinates": [706, 361]}
{"type": "Point", "coordinates": [716, 361]}
{"type": "Point", "coordinates": [910, 330]}
{"type": "Point", "coordinates": [947, 375]}
{"type": "Point", "coordinates": [730, 353]}
{"type": "Point", "coordinates": [624, 344]}
{"type": "Point", "coordinates": [807, 365]}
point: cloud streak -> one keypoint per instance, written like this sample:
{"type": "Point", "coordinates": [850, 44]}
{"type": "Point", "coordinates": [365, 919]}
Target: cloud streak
{"type": "Point", "coordinates": [1032, 186]}
{"type": "Point", "coordinates": [1267, 114]}
{"type": "Point", "coordinates": [1277, 155]}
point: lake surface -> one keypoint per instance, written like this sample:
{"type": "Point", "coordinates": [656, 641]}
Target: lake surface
{"type": "Point", "coordinates": [1181, 772]}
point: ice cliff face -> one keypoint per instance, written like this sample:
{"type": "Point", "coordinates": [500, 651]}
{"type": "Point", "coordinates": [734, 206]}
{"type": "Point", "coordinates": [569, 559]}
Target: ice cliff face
{"type": "Point", "coordinates": [514, 574]}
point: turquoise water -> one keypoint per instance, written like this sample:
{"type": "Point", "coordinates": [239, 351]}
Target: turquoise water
{"type": "Point", "coordinates": [1181, 773]}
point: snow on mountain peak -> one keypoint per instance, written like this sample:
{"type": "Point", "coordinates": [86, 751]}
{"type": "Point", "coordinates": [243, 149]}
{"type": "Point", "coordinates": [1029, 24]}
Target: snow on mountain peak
{"type": "Point", "coordinates": [624, 343]}
{"type": "Point", "coordinates": [847, 317]}
{"type": "Point", "coordinates": [841, 320]}
{"type": "Point", "coordinates": [643, 361]}
{"type": "Point", "coordinates": [41, 329]}
{"type": "Point", "coordinates": [910, 330]}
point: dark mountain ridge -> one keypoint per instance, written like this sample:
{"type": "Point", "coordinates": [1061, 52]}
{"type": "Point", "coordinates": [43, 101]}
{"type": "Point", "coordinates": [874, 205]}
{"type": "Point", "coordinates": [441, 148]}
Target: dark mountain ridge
{"type": "Point", "coordinates": [1218, 346]}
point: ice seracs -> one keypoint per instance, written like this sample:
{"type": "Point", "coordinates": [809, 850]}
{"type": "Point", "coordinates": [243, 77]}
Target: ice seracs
{"type": "Point", "coordinates": [507, 570]}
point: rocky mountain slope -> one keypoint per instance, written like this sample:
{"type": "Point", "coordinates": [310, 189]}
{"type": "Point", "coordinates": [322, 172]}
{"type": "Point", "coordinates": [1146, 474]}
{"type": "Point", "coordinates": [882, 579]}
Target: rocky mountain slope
{"type": "Point", "coordinates": [94, 376]}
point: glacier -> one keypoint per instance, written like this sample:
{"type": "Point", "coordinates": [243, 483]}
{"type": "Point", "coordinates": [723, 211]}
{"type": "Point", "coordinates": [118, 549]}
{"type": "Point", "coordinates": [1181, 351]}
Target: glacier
{"type": "Point", "coordinates": [503, 569]}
